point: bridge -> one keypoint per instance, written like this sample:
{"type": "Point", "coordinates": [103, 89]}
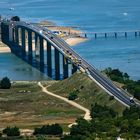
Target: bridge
{"type": "Point", "coordinates": [107, 34]}
{"type": "Point", "coordinates": [29, 41]}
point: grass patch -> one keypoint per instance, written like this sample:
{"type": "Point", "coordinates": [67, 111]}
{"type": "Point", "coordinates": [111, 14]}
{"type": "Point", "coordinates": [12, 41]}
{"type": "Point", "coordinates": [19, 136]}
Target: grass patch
{"type": "Point", "coordinates": [33, 107]}
{"type": "Point", "coordinates": [88, 92]}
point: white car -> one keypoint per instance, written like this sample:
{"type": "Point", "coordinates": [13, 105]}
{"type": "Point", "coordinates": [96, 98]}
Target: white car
{"type": "Point", "coordinates": [131, 99]}
{"type": "Point", "coordinates": [40, 31]}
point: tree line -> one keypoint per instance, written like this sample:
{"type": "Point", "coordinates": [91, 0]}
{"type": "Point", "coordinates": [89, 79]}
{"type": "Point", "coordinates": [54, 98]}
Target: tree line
{"type": "Point", "coordinates": [107, 124]}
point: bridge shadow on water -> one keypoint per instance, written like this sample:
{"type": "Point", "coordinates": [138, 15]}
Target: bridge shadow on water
{"type": "Point", "coordinates": [43, 68]}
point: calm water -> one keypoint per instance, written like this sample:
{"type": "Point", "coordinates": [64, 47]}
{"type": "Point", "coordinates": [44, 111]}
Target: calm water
{"type": "Point", "coordinates": [92, 15]}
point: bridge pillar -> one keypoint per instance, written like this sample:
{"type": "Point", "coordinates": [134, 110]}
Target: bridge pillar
{"type": "Point", "coordinates": [10, 33]}
{"type": "Point", "coordinates": [4, 33]}
{"type": "Point", "coordinates": [36, 45]}
{"type": "Point", "coordinates": [57, 64]}
{"type": "Point", "coordinates": [125, 34]}
{"type": "Point", "coordinates": [135, 34]}
{"type": "Point", "coordinates": [41, 51]}
{"type": "Point", "coordinates": [65, 67]}
{"type": "Point", "coordinates": [115, 35]}
{"type": "Point", "coordinates": [30, 53]}
{"type": "Point", "coordinates": [23, 42]}
{"type": "Point", "coordinates": [74, 68]}
{"type": "Point", "coordinates": [49, 59]}
{"type": "Point", "coordinates": [105, 35]}
{"type": "Point", "coordinates": [95, 35]}
{"type": "Point", "coordinates": [13, 35]}
{"type": "Point", "coordinates": [16, 36]}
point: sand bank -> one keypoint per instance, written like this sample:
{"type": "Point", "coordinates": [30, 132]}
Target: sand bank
{"type": "Point", "coordinates": [4, 48]}
{"type": "Point", "coordinates": [76, 40]}
{"type": "Point", "coordinates": [70, 35]}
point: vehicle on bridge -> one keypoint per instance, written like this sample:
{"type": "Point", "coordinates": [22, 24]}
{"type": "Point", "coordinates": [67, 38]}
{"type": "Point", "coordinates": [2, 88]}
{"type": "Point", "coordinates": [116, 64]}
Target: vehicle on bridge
{"type": "Point", "coordinates": [132, 99]}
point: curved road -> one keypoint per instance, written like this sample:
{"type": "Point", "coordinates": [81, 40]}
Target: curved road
{"type": "Point", "coordinates": [87, 111]}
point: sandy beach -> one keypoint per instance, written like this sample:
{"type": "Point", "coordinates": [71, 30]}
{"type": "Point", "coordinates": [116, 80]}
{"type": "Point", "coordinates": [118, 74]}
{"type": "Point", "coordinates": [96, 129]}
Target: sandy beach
{"type": "Point", "coordinates": [4, 48]}
{"type": "Point", "coordinates": [75, 40]}
{"type": "Point", "coordinates": [70, 35]}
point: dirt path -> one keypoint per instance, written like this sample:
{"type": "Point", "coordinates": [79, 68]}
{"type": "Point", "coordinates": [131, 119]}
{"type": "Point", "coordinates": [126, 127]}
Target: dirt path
{"type": "Point", "coordinates": [87, 111]}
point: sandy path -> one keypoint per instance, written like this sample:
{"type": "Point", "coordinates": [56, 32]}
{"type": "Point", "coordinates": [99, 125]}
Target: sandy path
{"type": "Point", "coordinates": [87, 111]}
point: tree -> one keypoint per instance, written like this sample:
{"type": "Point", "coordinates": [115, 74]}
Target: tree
{"type": "Point", "coordinates": [77, 137]}
{"type": "Point", "coordinates": [15, 18]}
{"type": "Point", "coordinates": [98, 111]}
{"type": "Point", "coordinates": [82, 127]}
{"type": "Point", "coordinates": [54, 129]}
{"type": "Point", "coordinates": [126, 76]}
{"type": "Point", "coordinates": [5, 83]}
{"type": "Point", "coordinates": [73, 95]}
{"type": "Point", "coordinates": [12, 131]}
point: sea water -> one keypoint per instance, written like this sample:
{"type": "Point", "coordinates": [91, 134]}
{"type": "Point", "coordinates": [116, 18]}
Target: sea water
{"type": "Point", "coordinates": [91, 16]}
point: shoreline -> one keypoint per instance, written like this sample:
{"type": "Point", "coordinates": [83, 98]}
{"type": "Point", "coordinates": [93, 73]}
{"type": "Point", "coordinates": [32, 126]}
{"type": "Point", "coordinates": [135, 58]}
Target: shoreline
{"type": "Point", "coordinates": [4, 48]}
{"type": "Point", "coordinates": [68, 34]}
{"type": "Point", "coordinates": [71, 35]}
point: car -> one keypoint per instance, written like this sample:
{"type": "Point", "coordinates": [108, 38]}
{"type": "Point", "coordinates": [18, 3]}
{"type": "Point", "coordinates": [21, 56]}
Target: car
{"type": "Point", "coordinates": [67, 51]}
{"type": "Point", "coordinates": [80, 61]}
{"type": "Point", "coordinates": [40, 31]}
{"type": "Point", "coordinates": [87, 71]}
{"type": "Point", "coordinates": [48, 32]}
{"type": "Point", "coordinates": [51, 37]}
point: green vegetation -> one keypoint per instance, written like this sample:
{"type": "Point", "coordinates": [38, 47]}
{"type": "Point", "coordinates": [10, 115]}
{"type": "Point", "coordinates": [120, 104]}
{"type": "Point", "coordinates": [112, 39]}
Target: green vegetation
{"type": "Point", "coordinates": [15, 18]}
{"type": "Point", "coordinates": [106, 124]}
{"type": "Point", "coordinates": [88, 92]}
{"type": "Point", "coordinates": [116, 75]}
{"type": "Point", "coordinates": [73, 95]}
{"type": "Point", "coordinates": [11, 131]}
{"type": "Point", "coordinates": [5, 83]}
{"type": "Point", "coordinates": [54, 129]}
{"type": "Point", "coordinates": [24, 105]}
{"type": "Point", "coordinates": [133, 87]}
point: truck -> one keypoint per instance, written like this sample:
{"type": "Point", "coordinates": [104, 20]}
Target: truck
{"type": "Point", "coordinates": [131, 99]}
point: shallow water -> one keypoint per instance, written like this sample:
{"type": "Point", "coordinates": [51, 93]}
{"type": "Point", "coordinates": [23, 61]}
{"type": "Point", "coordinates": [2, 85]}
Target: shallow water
{"type": "Point", "coordinates": [91, 15]}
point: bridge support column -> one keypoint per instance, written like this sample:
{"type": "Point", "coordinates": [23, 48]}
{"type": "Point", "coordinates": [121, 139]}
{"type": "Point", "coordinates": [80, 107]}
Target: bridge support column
{"type": "Point", "coordinates": [105, 35]}
{"type": "Point", "coordinates": [36, 45]}
{"type": "Point", "coordinates": [135, 34]}
{"type": "Point", "coordinates": [23, 43]}
{"type": "Point", "coordinates": [115, 35]}
{"type": "Point", "coordinates": [125, 34]}
{"type": "Point", "coordinates": [16, 36]}
{"type": "Point", "coordinates": [30, 46]}
{"type": "Point", "coordinates": [74, 69]}
{"type": "Point", "coordinates": [10, 33]}
{"type": "Point", "coordinates": [4, 33]}
{"type": "Point", "coordinates": [49, 59]}
{"type": "Point", "coordinates": [41, 51]}
{"type": "Point", "coordinates": [57, 64]}
{"type": "Point", "coordinates": [95, 35]}
{"type": "Point", "coordinates": [65, 67]}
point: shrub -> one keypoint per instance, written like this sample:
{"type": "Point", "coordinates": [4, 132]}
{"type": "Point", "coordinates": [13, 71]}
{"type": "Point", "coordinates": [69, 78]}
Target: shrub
{"type": "Point", "coordinates": [54, 129]}
{"type": "Point", "coordinates": [12, 131]}
{"type": "Point", "coordinates": [111, 98]}
{"type": "Point", "coordinates": [5, 83]}
{"type": "Point", "coordinates": [15, 18]}
{"type": "Point", "coordinates": [73, 95]}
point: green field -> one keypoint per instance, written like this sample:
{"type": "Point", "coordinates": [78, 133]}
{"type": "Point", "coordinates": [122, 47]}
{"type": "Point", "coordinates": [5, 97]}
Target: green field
{"type": "Point", "coordinates": [88, 92]}
{"type": "Point", "coordinates": [33, 108]}
{"type": "Point", "coordinates": [27, 107]}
